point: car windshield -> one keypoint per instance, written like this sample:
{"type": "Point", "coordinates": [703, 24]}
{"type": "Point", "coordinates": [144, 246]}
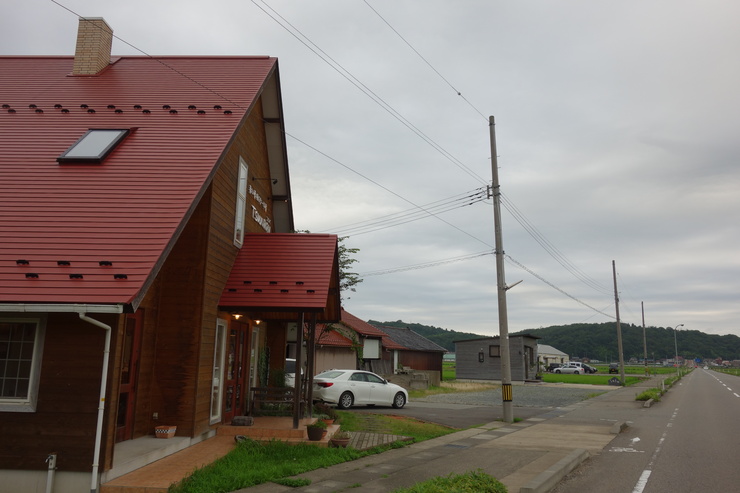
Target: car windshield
{"type": "Point", "coordinates": [330, 374]}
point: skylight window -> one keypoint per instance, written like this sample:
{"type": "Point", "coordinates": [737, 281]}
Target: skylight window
{"type": "Point", "coordinates": [94, 146]}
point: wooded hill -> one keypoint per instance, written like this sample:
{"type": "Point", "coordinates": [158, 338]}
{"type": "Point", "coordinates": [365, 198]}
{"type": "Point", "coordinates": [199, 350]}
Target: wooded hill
{"type": "Point", "coordinates": [438, 335]}
{"type": "Point", "coordinates": [599, 341]}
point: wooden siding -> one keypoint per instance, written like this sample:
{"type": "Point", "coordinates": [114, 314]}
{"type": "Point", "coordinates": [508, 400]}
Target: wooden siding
{"type": "Point", "coordinates": [421, 360]}
{"type": "Point", "coordinates": [69, 390]}
{"type": "Point", "coordinates": [335, 357]}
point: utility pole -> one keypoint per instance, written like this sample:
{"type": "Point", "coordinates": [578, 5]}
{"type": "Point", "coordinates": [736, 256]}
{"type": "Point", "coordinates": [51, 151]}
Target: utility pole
{"type": "Point", "coordinates": [619, 328]}
{"type": "Point", "coordinates": [644, 339]}
{"type": "Point", "coordinates": [503, 320]}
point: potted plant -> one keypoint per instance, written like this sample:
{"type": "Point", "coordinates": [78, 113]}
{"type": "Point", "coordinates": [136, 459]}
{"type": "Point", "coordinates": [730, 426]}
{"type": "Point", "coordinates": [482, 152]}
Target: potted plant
{"type": "Point", "coordinates": [316, 430]}
{"type": "Point", "coordinates": [340, 439]}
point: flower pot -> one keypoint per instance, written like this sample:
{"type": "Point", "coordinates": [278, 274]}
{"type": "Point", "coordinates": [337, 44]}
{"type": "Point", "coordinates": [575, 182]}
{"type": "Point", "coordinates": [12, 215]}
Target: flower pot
{"type": "Point", "coordinates": [339, 442]}
{"type": "Point", "coordinates": [314, 433]}
{"type": "Point", "coordinates": [165, 431]}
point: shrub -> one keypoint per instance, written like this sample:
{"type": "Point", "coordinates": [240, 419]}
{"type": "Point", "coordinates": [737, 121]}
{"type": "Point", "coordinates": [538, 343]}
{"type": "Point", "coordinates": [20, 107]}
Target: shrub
{"type": "Point", "coordinates": [648, 394]}
{"type": "Point", "coordinates": [476, 481]}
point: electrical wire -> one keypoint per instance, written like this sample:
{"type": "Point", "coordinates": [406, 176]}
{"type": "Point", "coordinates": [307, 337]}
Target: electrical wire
{"type": "Point", "coordinates": [426, 264]}
{"type": "Point", "coordinates": [410, 215]}
{"type": "Point", "coordinates": [426, 61]}
{"type": "Point", "coordinates": [316, 50]}
{"type": "Point", "coordinates": [550, 248]}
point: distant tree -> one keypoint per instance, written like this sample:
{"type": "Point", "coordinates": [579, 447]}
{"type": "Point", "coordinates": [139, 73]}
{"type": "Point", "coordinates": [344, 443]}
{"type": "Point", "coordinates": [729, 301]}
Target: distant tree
{"type": "Point", "coordinates": [348, 280]}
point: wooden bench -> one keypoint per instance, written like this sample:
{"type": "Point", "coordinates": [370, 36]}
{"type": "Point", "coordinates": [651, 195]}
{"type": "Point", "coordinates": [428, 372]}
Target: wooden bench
{"type": "Point", "coordinates": [272, 401]}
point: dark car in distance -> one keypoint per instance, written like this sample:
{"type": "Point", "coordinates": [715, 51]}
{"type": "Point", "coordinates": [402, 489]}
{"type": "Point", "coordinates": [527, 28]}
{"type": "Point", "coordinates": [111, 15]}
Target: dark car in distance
{"type": "Point", "coordinates": [613, 368]}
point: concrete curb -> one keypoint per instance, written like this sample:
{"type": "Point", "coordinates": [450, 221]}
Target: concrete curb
{"type": "Point", "coordinates": [547, 480]}
{"type": "Point", "coordinates": [618, 428]}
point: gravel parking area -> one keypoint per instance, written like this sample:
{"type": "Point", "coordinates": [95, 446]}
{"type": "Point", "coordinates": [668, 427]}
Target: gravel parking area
{"type": "Point", "coordinates": [524, 396]}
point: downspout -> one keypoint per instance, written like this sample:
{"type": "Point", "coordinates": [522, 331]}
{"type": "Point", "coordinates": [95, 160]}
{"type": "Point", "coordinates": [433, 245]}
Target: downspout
{"type": "Point", "coordinates": [101, 402]}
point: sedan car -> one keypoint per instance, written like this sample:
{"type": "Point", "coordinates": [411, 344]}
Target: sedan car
{"type": "Point", "coordinates": [569, 369]}
{"type": "Point", "coordinates": [589, 368]}
{"type": "Point", "coordinates": [347, 388]}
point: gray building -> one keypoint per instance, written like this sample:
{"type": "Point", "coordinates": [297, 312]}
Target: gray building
{"type": "Point", "coordinates": [480, 359]}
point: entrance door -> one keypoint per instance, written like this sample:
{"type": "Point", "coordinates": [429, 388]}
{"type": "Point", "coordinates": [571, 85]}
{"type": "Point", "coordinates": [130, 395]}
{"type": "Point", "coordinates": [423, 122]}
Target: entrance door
{"type": "Point", "coordinates": [234, 379]}
{"type": "Point", "coordinates": [129, 373]}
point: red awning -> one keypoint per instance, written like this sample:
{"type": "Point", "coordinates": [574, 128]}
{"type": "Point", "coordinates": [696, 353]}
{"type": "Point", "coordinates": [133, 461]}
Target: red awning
{"type": "Point", "coordinates": [277, 276]}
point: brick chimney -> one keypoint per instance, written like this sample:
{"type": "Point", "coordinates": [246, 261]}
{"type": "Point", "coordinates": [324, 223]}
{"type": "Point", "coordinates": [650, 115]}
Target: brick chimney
{"type": "Point", "coordinates": [94, 40]}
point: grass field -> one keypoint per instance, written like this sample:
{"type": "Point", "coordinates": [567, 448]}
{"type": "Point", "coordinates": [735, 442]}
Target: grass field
{"type": "Point", "coordinates": [729, 371]}
{"type": "Point", "coordinates": [632, 374]}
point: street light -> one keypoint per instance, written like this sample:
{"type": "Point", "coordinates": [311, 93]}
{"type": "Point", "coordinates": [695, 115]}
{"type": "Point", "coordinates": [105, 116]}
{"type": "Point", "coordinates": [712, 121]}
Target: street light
{"type": "Point", "coordinates": [675, 344]}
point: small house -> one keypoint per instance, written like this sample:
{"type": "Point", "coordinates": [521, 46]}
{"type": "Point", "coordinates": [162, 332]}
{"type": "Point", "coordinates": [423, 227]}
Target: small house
{"type": "Point", "coordinates": [480, 359]}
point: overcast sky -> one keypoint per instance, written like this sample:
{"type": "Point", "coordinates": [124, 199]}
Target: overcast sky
{"type": "Point", "coordinates": [617, 139]}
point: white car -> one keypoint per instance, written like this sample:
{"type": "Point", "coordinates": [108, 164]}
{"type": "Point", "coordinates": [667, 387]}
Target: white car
{"type": "Point", "coordinates": [569, 369]}
{"type": "Point", "coordinates": [346, 388]}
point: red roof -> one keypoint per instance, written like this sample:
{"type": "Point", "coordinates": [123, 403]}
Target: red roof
{"type": "Point", "coordinates": [117, 218]}
{"type": "Point", "coordinates": [277, 272]}
{"type": "Point", "coordinates": [367, 330]}
{"type": "Point", "coordinates": [330, 338]}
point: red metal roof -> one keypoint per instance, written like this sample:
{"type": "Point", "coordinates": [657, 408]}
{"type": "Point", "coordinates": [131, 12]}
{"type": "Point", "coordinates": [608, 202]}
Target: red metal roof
{"type": "Point", "coordinates": [182, 112]}
{"type": "Point", "coordinates": [282, 272]}
{"type": "Point", "coordinates": [367, 330]}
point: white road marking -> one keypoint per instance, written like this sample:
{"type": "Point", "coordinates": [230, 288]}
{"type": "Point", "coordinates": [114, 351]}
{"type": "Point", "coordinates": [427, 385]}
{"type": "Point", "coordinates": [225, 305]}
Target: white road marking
{"type": "Point", "coordinates": [642, 482]}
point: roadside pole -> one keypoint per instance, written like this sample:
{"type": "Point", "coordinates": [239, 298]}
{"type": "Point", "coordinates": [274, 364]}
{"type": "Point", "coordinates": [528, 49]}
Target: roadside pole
{"type": "Point", "coordinates": [619, 328]}
{"type": "Point", "coordinates": [503, 321]}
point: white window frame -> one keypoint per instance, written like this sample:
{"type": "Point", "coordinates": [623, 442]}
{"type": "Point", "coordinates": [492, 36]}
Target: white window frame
{"type": "Point", "coordinates": [240, 214]}
{"type": "Point", "coordinates": [217, 383]}
{"type": "Point", "coordinates": [28, 404]}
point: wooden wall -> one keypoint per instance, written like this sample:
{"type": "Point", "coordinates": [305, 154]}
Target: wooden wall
{"type": "Point", "coordinates": [69, 390]}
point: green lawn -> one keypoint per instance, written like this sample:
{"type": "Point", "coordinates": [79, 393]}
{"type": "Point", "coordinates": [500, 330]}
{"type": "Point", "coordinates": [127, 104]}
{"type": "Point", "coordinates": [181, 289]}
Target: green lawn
{"type": "Point", "coordinates": [252, 463]}
{"type": "Point", "coordinates": [594, 379]}
{"type": "Point", "coordinates": [729, 371]}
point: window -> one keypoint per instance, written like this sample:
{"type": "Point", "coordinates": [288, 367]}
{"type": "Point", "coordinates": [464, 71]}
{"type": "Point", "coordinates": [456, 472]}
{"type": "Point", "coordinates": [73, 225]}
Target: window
{"type": "Point", "coordinates": [494, 351]}
{"type": "Point", "coordinates": [94, 146]}
{"type": "Point", "coordinates": [21, 344]}
{"type": "Point", "coordinates": [241, 204]}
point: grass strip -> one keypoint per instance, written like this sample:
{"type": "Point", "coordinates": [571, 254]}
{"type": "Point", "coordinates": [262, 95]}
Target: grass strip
{"type": "Point", "coordinates": [473, 481]}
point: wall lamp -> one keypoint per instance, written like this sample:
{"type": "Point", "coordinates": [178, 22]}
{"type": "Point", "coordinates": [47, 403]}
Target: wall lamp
{"type": "Point", "coordinates": [274, 180]}
{"type": "Point", "coordinates": [236, 316]}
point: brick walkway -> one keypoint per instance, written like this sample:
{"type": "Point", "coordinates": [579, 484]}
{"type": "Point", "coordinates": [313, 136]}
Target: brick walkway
{"type": "Point", "coordinates": [363, 440]}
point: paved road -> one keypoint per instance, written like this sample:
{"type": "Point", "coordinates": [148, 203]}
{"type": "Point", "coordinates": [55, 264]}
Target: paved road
{"type": "Point", "coordinates": [685, 443]}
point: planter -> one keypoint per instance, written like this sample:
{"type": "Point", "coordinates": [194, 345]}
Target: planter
{"type": "Point", "coordinates": [315, 433]}
{"type": "Point", "coordinates": [339, 442]}
{"type": "Point", "coordinates": [165, 431]}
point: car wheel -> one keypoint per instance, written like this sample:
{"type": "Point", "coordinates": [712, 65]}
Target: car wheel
{"type": "Point", "coordinates": [575, 372]}
{"type": "Point", "coordinates": [399, 400]}
{"type": "Point", "coordinates": [345, 400]}
{"type": "Point", "coordinates": [557, 371]}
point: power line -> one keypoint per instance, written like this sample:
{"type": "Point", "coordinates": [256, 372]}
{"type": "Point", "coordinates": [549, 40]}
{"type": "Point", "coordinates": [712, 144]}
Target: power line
{"type": "Point", "coordinates": [522, 266]}
{"type": "Point", "coordinates": [410, 215]}
{"type": "Point", "coordinates": [316, 50]}
{"type": "Point", "coordinates": [550, 248]}
{"type": "Point", "coordinates": [426, 61]}
{"type": "Point", "coordinates": [385, 188]}
{"type": "Point", "coordinates": [426, 264]}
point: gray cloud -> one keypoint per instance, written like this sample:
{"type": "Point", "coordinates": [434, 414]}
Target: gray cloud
{"type": "Point", "coordinates": [616, 130]}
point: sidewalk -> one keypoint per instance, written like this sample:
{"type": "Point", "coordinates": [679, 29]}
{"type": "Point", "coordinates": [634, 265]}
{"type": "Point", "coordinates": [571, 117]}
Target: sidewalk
{"type": "Point", "coordinates": [530, 456]}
